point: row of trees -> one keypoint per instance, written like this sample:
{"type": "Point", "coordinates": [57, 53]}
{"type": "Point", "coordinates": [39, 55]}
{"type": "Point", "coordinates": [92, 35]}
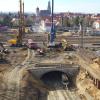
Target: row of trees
{"type": "Point", "coordinates": [65, 21]}
{"type": "Point", "coordinates": [6, 21]}
{"type": "Point", "coordinates": [74, 21]}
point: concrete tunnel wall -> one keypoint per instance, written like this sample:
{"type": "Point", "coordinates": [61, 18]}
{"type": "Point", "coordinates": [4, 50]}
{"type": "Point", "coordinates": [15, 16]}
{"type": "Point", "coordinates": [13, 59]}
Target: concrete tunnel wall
{"type": "Point", "coordinates": [58, 74]}
{"type": "Point", "coordinates": [70, 72]}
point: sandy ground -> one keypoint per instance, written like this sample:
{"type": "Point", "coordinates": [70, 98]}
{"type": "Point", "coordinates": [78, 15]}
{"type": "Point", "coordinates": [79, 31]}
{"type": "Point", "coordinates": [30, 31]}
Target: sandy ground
{"type": "Point", "coordinates": [86, 87]}
{"type": "Point", "coordinates": [10, 77]}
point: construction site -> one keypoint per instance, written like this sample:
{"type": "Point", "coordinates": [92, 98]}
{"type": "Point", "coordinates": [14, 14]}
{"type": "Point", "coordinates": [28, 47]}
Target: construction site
{"type": "Point", "coordinates": [48, 66]}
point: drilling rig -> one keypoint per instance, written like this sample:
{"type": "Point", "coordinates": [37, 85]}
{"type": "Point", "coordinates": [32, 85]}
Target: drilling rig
{"type": "Point", "coordinates": [21, 30]}
{"type": "Point", "coordinates": [64, 45]}
{"type": "Point", "coordinates": [21, 24]}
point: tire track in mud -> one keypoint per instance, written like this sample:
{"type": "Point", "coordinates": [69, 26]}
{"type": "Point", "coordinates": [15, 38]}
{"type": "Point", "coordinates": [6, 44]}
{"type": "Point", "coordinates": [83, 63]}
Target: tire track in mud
{"type": "Point", "coordinates": [53, 95]}
{"type": "Point", "coordinates": [12, 79]}
{"type": "Point", "coordinates": [63, 94]}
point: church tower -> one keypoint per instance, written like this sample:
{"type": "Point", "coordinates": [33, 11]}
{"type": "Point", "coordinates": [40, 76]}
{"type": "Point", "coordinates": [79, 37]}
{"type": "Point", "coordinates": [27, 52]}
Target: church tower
{"type": "Point", "coordinates": [37, 15]}
{"type": "Point", "coordinates": [37, 11]}
{"type": "Point", "coordinates": [49, 7]}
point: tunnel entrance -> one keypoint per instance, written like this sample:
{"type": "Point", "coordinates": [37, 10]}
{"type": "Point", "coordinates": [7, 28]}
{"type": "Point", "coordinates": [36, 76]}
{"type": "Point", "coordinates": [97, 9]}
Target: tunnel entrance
{"type": "Point", "coordinates": [55, 80]}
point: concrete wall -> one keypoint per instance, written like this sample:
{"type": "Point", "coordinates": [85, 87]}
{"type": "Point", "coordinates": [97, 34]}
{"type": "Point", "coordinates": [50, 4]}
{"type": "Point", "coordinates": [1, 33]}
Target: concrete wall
{"type": "Point", "coordinates": [96, 82]}
{"type": "Point", "coordinates": [41, 71]}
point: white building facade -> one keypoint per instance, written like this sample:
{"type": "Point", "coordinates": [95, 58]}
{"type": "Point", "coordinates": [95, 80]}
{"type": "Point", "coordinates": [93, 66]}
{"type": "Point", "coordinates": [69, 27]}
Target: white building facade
{"type": "Point", "coordinates": [96, 24]}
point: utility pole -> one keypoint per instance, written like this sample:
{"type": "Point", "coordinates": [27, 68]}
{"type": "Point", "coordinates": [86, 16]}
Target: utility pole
{"type": "Point", "coordinates": [62, 20]}
{"type": "Point", "coordinates": [23, 20]}
{"type": "Point", "coordinates": [81, 33]}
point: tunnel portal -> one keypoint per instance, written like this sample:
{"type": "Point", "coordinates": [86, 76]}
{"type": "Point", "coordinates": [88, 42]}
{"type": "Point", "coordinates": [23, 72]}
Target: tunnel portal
{"type": "Point", "coordinates": [52, 75]}
{"type": "Point", "coordinates": [54, 79]}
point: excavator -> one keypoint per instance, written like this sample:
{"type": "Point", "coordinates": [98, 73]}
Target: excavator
{"type": "Point", "coordinates": [65, 46]}
{"type": "Point", "coordinates": [16, 42]}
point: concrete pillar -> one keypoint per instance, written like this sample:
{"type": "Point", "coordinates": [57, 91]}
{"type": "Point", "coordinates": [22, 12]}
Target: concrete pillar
{"type": "Point", "coordinates": [89, 76]}
{"type": "Point", "coordinates": [73, 82]}
{"type": "Point", "coordinates": [98, 84]}
{"type": "Point", "coordinates": [95, 81]}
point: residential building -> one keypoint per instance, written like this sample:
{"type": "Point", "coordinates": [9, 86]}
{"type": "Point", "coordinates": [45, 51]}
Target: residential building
{"type": "Point", "coordinates": [96, 24]}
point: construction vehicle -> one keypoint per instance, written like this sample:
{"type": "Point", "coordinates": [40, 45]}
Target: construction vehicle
{"type": "Point", "coordinates": [63, 45]}
{"type": "Point", "coordinates": [66, 46]}
{"type": "Point", "coordinates": [12, 42]}
{"type": "Point", "coordinates": [3, 52]}
{"type": "Point", "coordinates": [41, 51]}
{"type": "Point", "coordinates": [18, 41]}
{"type": "Point", "coordinates": [32, 45]}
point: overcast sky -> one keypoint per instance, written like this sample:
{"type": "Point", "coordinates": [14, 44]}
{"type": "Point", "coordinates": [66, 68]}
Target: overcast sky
{"type": "Point", "coordinates": [87, 6]}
